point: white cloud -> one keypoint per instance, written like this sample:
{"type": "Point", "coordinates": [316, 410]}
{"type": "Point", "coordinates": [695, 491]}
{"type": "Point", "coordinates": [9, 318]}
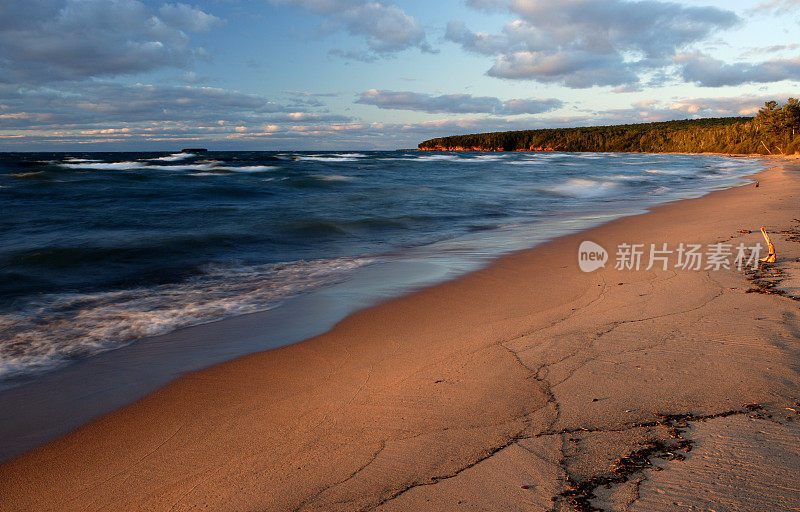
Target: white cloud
{"type": "Point", "coordinates": [308, 94]}
{"type": "Point", "coordinates": [188, 18]}
{"type": "Point", "coordinates": [745, 105]}
{"type": "Point", "coordinates": [770, 50]}
{"type": "Point", "coordinates": [488, 5]}
{"type": "Point", "coordinates": [385, 28]}
{"type": "Point", "coordinates": [52, 40]}
{"type": "Point", "coordinates": [582, 43]}
{"type": "Point", "coordinates": [710, 72]}
{"type": "Point", "coordinates": [264, 130]}
{"type": "Point", "coordinates": [476, 42]}
{"type": "Point", "coordinates": [577, 69]}
{"type": "Point", "coordinates": [455, 103]}
{"type": "Point", "coordinates": [93, 103]}
{"type": "Point", "coordinates": [111, 113]}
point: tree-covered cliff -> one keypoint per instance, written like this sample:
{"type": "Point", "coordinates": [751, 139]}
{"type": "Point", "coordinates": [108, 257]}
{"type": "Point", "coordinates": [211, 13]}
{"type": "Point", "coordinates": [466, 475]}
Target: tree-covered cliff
{"type": "Point", "coordinates": [775, 130]}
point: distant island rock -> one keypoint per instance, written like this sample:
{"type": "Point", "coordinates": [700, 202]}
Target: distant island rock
{"type": "Point", "coordinates": [194, 150]}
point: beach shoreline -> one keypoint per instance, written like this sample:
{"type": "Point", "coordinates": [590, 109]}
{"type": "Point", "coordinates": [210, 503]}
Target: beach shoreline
{"type": "Point", "coordinates": [50, 402]}
{"type": "Point", "coordinates": [455, 392]}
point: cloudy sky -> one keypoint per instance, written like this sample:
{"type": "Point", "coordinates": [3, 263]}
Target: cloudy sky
{"type": "Point", "coordinates": [85, 75]}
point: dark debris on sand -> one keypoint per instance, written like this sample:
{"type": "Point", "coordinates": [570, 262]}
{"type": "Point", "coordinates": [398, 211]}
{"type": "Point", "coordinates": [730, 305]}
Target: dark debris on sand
{"type": "Point", "coordinates": [766, 278]}
{"type": "Point", "coordinates": [579, 495]}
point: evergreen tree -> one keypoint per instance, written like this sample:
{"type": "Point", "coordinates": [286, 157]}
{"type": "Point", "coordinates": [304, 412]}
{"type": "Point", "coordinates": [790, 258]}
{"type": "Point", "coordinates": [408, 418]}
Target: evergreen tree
{"type": "Point", "coordinates": [775, 129]}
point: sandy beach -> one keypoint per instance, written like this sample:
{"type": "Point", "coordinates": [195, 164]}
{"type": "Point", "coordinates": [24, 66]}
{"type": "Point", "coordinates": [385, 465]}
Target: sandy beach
{"type": "Point", "coordinates": [528, 385]}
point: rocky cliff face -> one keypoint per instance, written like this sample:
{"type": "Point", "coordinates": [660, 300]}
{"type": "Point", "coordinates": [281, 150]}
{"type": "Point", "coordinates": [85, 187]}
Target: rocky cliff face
{"type": "Point", "coordinates": [439, 147]}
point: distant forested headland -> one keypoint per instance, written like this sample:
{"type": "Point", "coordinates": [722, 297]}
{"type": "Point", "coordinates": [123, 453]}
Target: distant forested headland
{"type": "Point", "coordinates": [775, 130]}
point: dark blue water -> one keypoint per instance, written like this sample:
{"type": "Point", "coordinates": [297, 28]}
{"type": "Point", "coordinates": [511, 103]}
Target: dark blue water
{"type": "Point", "coordinates": [100, 249]}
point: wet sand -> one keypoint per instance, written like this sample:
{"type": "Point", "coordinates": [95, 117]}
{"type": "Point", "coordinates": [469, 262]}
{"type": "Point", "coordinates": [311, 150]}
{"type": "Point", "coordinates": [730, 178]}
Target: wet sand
{"type": "Point", "coordinates": [528, 385]}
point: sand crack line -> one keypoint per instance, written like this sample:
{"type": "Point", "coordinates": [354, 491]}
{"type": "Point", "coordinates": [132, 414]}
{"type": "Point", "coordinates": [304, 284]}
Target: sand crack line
{"type": "Point", "coordinates": [579, 494]}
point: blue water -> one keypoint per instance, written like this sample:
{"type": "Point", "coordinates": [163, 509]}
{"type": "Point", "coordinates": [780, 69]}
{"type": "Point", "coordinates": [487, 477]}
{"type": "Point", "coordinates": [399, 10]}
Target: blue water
{"type": "Point", "coordinates": [98, 250]}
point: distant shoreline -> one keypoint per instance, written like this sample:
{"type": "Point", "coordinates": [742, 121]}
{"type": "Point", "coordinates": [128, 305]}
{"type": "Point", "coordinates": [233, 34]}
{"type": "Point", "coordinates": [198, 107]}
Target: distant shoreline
{"type": "Point", "coordinates": [773, 131]}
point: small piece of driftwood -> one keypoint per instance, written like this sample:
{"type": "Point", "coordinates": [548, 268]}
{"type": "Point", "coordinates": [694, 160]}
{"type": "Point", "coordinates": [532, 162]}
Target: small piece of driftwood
{"type": "Point", "coordinates": [770, 258]}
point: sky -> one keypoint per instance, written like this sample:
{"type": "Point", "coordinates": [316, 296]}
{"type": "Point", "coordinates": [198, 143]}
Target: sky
{"type": "Point", "coordinates": [149, 75]}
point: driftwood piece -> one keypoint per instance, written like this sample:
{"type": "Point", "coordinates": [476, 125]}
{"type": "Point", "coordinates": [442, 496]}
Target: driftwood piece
{"type": "Point", "coordinates": [770, 258]}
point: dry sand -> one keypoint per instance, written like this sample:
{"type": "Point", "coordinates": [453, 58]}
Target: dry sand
{"type": "Point", "coordinates": [528, 385]}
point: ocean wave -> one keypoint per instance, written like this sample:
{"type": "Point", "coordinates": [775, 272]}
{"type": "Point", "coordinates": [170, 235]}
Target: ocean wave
{"type": "Point", "coordinates": [528, 161]}
{"type": "Point", "coordinates": [186, 167]}
{"type": "Point", "coordinates": [660, 191]}
{"type": "Point", "coordinates": [247, 168]}
{"type": "Point", "coordinates": [174, 157]}
{"type": "Point", "coordinates": [81, 255]}
{"type": "Point", "coordinates": [145, 165]}
{"type": "Point", "coordinates": [111, 166]}
{"type": "Point", "coordinates": [490, 158]}
{"type": "Point", "coordinates": [434, 158]}
{"type": "Point", "coordinates": [29, 175]}
{"type": "Point", "coordinates": [582, 188]}
{"type": "Point", "coordinates": [333, 177]}
{"type": "Point", "coordinates": [671, 172]}
{"type": "Point", "coordinates": [325, 158]}
{"type": "Point", "coordinates": [80, 160]}
{"type": "Point", "coordinates": [630, 180]}
{"type": "Point", "coordinates": [324, 228]}
{"type": "Point", "coordinates": [54, 329]}
{"type": "Point", "coordinates": [635, 161]}
{"type": "Point", "coordinates": [352, 155]}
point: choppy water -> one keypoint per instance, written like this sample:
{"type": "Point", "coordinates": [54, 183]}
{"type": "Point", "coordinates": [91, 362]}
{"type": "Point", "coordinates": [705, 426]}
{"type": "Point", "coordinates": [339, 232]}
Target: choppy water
{"type": "Point", "coordinates": [100, 249]}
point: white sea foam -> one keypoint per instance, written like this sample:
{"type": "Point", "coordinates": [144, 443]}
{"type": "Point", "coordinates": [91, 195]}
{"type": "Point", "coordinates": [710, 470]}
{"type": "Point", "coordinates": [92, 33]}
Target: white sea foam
{"type": "Point", "coordinates": [490, 158]}
{"type": "Point", "coordinates": [186, 167]}
{"type": "Point", "coordinates": [57, 328]}
{"type": "Point", "coordinates": [247, 168]}
{"type": "Point", "coordinates": [527, 161]}
{"type": "Point", "coordinates": [626, 177]}
{"type": "Point", "coordinates": [583, 188]}
{"type": "Point", "coordinates": [661, 190]}
{"type": "Point", "coordinates": [434, 158]}
{"type": "Point", "coordinates": [325, 158]}
{"type": "Point", "coordinates": [144, 165]}
{"type": "Point", "coordinates": [174, 157]}
{"type": "Point", "coordinates": [110, 166]}
{"type": "Point", "coordinates": [671, 172]}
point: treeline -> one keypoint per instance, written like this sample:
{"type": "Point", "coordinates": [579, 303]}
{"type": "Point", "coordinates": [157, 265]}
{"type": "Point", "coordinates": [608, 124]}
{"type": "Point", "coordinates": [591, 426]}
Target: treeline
{"type": "Point", "coordinates": [775, 130]}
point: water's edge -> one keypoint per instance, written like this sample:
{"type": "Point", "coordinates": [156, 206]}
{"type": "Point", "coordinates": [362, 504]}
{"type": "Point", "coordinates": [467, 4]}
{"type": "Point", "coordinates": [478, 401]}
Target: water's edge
{"type": "Point", "coordinates": [51, 405]}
